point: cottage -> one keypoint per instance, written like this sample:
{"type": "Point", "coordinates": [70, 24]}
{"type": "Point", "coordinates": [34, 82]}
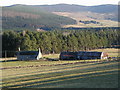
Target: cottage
{"type": "Point", "coordinates": [29, 55]}
{"type": "Point", "coordinates": [83, 55]}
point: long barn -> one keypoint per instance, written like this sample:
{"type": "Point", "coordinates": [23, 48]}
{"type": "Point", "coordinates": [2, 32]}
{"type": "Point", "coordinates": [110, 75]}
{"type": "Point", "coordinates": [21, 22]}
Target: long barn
{"type": "Point", "coordinates": [83, 55]}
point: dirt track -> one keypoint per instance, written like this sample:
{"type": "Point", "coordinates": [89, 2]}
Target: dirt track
{"type": "Point", "coordinates": [30, 66]}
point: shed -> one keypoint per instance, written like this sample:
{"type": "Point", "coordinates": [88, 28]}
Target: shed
{"type": "Point", "coordinates": [82, 55]}
{"type": "Point", "coordinates": [29, 55]}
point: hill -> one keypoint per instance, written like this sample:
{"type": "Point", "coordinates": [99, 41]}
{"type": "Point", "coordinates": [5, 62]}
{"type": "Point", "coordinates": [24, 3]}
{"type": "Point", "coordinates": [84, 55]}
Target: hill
{"type": "Point", "coordinates": [98, 16]}
{"type": "Point", "coordinates": [107, 8]}
{"type": "Point", "coordinates": [60, 15]}
{"type": "Point", "coordinates": [29, 17]}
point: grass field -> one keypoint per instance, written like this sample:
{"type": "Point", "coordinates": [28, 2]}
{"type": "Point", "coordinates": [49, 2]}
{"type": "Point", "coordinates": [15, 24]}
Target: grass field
{"type": "Point", "coordinates": [60, 74]}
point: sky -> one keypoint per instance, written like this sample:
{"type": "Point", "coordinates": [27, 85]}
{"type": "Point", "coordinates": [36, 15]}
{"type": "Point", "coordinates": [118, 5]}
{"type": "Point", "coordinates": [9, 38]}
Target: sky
{"type": "Point", "coordinates": [49, 2]}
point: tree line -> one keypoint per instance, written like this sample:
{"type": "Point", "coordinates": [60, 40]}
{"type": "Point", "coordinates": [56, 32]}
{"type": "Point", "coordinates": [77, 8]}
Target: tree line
{"type": "Point", "coordinates": [56, 41]}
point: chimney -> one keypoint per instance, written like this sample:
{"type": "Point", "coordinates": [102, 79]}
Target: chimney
{"type": "Point", "coordinates": [19, 49]}
{"type": "Point", "coordinates": [39, 55]}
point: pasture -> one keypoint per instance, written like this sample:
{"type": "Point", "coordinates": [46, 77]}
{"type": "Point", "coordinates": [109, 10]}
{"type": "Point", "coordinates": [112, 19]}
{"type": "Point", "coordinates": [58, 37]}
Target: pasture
{"type": "Point", "coordinates": [61, 74]}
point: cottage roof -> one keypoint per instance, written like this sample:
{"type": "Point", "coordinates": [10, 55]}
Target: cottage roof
{"type": "Point", "coordinates": [82, 53]}
{"type": "Point", "coordinates": [28, 52]}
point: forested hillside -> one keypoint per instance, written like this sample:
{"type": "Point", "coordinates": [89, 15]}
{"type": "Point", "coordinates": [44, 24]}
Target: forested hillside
{"type": "Point", "coordinates": [58, 40]}
{"type": "Point", "coordinates": [21, 17]}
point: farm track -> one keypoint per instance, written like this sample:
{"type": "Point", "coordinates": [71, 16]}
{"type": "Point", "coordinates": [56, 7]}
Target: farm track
{"type": "Point", "coordinates": [57, 75]}
{"type": "Point", "coordinates": [29, 66]}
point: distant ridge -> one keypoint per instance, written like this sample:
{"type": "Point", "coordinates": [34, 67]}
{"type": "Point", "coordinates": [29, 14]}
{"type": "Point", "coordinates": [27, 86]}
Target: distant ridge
{"type": "Point", "coordinates": [34, 17]}
{"type": "Point", "coordinates": [106, 8]}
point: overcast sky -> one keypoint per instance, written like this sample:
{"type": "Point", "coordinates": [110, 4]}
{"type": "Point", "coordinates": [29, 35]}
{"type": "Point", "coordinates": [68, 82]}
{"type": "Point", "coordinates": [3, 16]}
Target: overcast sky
{"type": "Point", "coordinates": [49, 2]}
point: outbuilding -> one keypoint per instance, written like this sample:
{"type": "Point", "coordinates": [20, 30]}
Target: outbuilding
{"type": "Point", "coordinates": [68, 55]}
{"type": "Point", "coordinates": [82, 55]}
{"type": "Point", "coordinates": [29, 55]}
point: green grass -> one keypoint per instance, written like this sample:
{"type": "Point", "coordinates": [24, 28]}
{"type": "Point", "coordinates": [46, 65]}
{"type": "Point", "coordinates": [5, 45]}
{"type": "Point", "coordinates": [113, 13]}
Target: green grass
{"type": "Point", "coordinates": [34, 63]}
{"type": "Point", "coordinates": [75, 75]}
{"type": "Point", "coordinates": [51, 56]}
{"type": "Point", "coordinates": [112, 52]}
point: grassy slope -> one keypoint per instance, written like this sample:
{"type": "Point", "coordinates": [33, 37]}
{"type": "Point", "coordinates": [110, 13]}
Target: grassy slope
{"type": "Point", "coordinates": [87, 16]}
{"type": "Point", "coordinates": [79, 75]}
{"type": "Point", "coordinates": [92, 75]}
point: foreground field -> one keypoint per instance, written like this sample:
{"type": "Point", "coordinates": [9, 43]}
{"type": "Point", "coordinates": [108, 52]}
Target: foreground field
{"type": "Point", "coordinates": [61, 74]}
{"type": "Point", "coordinates": [85, 75]}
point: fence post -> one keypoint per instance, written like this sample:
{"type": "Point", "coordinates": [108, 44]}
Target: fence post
{"type": "Point", "coordinates": [5, 55]}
